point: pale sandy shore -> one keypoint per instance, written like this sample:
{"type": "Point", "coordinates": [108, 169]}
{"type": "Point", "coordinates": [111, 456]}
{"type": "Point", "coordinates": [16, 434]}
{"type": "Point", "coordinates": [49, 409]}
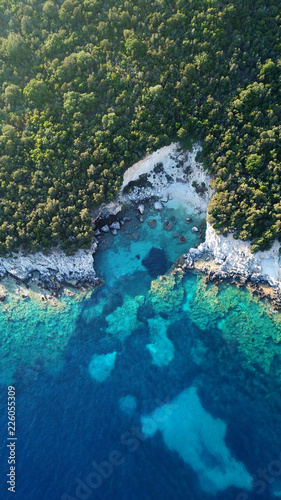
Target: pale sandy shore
{"type": "Point", "coordinates": [180, 170]}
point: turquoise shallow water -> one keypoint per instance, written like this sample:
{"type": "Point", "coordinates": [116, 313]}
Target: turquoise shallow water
{"type": "Point", "coordinates": [150, 386]}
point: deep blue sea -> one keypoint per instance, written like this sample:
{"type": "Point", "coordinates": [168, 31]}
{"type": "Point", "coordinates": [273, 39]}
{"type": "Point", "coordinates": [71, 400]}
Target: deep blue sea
{"type": "Point", "coordinates": [152, 386]}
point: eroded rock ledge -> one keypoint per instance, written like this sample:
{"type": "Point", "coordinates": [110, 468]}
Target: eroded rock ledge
{"type": "Point", "coordinates": [223, 258]}
{"type": "Point", "coordinates": [53, 270]}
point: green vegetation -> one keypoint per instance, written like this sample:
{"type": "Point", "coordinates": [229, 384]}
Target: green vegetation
{"type": "Point", "coordinates": [88, 87]}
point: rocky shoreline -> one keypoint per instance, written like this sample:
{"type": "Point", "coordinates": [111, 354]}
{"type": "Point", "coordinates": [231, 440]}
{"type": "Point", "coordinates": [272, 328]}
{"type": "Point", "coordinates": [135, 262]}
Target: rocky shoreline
{"type": "Point", "coordinates": [166, 174]}
{"type": "Point", "coordinates": [51, 271]}
{"type": "Point", "coordinates": [156, 177]}
{"type": "Point", "coordinates": [223, 258]}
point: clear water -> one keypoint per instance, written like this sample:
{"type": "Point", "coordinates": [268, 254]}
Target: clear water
{"type": "Point", "coordinates": [146, 388]}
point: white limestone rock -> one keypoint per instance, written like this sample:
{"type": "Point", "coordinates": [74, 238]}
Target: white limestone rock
{"type": "Point", "coordinates": [173, 181]}
{"type": "Point", "coordinates": [158, 205]}
{"type": "Point", "coordinates": [164, 198]}
{"type": "Point", "coordinates": [234, 256]}
{"type": "Point", "coordinates": [55, 268]}
{"type": "Point", "coordinates": [115, 225]}
{"type": "Point", "coordinates": [218, 261]}
{"type": "Point", "coordinates": [105, 210]}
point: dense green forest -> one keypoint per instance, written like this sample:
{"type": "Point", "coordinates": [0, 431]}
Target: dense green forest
{"type": "Point", "coordinates": [90, 86]}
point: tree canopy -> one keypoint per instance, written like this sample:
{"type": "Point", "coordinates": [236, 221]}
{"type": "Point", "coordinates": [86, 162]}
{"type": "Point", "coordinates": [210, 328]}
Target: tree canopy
{"type": "Point", "coordinates": [88, 87]}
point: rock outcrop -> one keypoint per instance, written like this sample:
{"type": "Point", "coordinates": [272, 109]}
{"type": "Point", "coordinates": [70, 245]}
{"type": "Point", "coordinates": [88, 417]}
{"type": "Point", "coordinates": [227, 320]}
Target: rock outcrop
{"type": "Point", "coordinates": [52, 270]}
{"type": "Point", "coordinates": [225, 258]}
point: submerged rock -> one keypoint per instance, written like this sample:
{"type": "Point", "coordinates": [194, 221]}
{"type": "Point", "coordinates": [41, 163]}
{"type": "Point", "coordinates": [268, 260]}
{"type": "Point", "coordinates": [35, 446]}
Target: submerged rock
{"type": "Point", "coordinates": [123, 320]}
{"type": "Point", "coordinates": [161, 348]}
{"type": "Point", "coordinates": [168, 225]}
{"type": "Point", "coordinates": [128, 404]}
{"type": "Point", "coordinates": [182, 239]}
{"type": "Point", "coordinates": [152, 223]}
{"type": "Point", "coordinates": [22, 294]}
{"type": "Point", "coordinates": [101, 366]}
{"type": "Point", "coordinates": [199, 439]}
{"type": "Point", "coordinates": [166, 294]}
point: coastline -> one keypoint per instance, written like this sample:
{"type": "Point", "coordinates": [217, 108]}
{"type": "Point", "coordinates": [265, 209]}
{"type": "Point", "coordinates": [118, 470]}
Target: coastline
{"type": "Point", "coordinates": [48, 273]}
{"type": "Point", "coordinates": [223, 258]}
{"type": "Point", "coordinates": [220, 258]}
{"type": "Point", "coordinates": [55, 270]}
{"type": "Point", "coordinates": [167, 174]}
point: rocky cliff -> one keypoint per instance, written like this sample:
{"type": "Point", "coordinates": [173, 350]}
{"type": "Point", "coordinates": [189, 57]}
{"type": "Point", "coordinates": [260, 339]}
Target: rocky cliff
{"type": "Point", "coordinates": [52, 270]}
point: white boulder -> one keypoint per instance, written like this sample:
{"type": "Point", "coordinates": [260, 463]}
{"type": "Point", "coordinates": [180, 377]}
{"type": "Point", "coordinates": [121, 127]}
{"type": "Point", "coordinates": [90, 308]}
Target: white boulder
{"type": "Point", "coordinates": [158, 205]}
{"type": "Point", "coordinates": [115, 225]}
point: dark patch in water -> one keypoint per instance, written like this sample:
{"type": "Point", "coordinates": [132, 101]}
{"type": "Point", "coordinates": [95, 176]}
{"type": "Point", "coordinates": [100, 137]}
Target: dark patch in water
{"type": "Point", "coordinates": [136, 283]}
{"type": "Point", "coordinates": [155, 262]}
{"type": "Point", "coordinates": [116, 300]}
{"type": "Point", "coordinates": [145, 311]}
